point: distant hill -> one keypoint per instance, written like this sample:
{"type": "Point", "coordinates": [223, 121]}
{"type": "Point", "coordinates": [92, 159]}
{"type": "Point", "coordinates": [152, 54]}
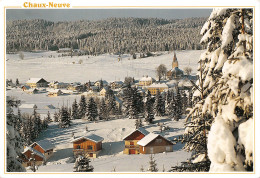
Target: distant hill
{"type": "Point", "coordinates": [112, 35]}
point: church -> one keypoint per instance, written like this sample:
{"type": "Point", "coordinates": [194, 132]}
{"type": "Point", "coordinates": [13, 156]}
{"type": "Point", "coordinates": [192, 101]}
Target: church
{"type": "Point", "coordinates": [175, 72]}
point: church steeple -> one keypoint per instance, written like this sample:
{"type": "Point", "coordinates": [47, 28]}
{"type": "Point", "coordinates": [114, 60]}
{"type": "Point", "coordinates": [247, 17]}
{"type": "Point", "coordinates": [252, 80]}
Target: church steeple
{"type": "Point", "coordinates": [174, 61]}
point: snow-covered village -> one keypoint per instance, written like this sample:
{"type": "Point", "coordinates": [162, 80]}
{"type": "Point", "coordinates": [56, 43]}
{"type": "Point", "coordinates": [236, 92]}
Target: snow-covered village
{"type": "Point", "coordinates": [110, 96]}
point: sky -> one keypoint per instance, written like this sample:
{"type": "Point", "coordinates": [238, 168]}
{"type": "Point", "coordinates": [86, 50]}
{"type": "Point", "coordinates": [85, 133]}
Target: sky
{"type": "Point", "coordinates": [96, 14]}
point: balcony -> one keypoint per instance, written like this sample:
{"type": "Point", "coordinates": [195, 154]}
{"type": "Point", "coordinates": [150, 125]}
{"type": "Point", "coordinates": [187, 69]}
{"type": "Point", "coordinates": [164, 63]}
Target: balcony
{"type": "Point", "coordinates": [132, 146]}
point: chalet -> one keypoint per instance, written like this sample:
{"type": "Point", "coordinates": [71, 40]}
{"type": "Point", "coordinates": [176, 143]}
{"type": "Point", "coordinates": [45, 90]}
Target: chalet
{"type": "Point", "coordinates": [103, 91]}
{"type": "Point", "coordinates": [175, 72]}
{"type": "Point", "coordinates": [89, 145]}
{"type": "Point", "coordinates": [94, 88]}
{"type": "Point", "coordinates": [146, 81]}
{"type": "Point", "coordinates": [32, 91]}
{"type": "Point", "coordinates": [37, 82]}
{"type": "Point", "coordinates": [116, 84]}
{"type": "Point", "coordinates": [157, 87]}
{"type": "Point", "coordinates": [25, 87]}
{"type": "Point", "coordinates": [154, 143]}
{"type": "Point", "coordinates": [131, 146]}
{"type": "Point", "coordinates": [54, 92]}
{"type": "Point", "coordinates": [58, 85]}
{"type": "Point", "coordinates": [31, 156]}
{"type": "Point", "coordinates": [76, 86]}
{"type": "Point", "coordinates": [44, 147]}
{"type": "Point", "coordinates": [98, 83]}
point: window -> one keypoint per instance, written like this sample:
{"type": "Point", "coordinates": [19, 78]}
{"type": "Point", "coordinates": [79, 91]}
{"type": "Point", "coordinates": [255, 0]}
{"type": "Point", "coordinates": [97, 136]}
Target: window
{"type": "Point", "coordinates": [151, 150]}
{"type": "Point", "coordinates": [158, 140]}
{"type": "Point", "coordinates": [90, 147]}
{"type": "Point", "coordinates": [78, 147]}
{"type": "Point", "coordinates": [168, 148]}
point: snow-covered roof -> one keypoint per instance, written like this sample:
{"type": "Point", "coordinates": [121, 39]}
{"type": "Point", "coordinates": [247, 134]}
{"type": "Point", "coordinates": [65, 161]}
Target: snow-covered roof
{"type": "Point", "coordinates": [54, 90]}
{"type": "Point", "coordinates": [93, 137]}
{"type": "Point", "coordinates": [147, 139]}
{"type": "Point", "coordinates": [33, 151]}
{"type": "Point", "coordinates": [50, 106]}
{"type": "Point", "coordinates": [150, 137]}
{"type": "Point", "coordinates": [144, 79]}
{"type": "Point", "coordinates": [44, 144]}
{"type": "Point", "coordinates": [142, 130]}
{"type": "Point", "coordinates": [158, 85]}
{"type": "Point", "coordinates": [28, 106]}
{"type": "Point", "coordinates": [34, 80]}
{"type": "Point", "coordinates": [26, 86]}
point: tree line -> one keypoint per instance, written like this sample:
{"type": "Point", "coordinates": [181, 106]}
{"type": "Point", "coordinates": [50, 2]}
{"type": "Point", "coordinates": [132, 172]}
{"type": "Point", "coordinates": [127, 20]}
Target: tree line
{"type": "Point", "coordinates": [112, 35]}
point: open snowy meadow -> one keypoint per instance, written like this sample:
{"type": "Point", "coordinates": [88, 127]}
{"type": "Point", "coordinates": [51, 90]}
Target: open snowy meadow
{"type": "Point", "coordinates": [93, 68]}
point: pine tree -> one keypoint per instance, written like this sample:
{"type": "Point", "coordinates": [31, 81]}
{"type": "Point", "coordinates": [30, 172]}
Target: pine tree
{"type": "Point", "coordinates": [56, 117]}
{"type": "Point", "coordinates": [112, 108]}
{"type": "Point", "coordinates": [149, 116]}
{"type": "Point", "coordinates": [48, 117]}
{"type": "Point", "coordinates": [91, 110]}
{"type": "Point", "coordinates": [172, 108]}
{"type": "Point", "coordinates": [103, 111]}
{"type": "Point", "coordinates": [14, 146]}
{"type": "Point", "coordinates": [17, 82]}
{"type": "Point", "coordinates": [159, 107]}
{"type": "Point", "coordinates": [153, 165]}
{"type": "Point", "coordinates": [37, 125]}
{"type": "Point", "coordinates": [82, 107]}
{"type": "Point", "coordinates": [184, 100]}
{"type": "Point", "coordinates": [82, 165]}
{"type": "Point", "coordinates": [75, 110]}
{"type": "Point", "coordinates": [138, 123]}
{"type": "Point", "coordinates": [224, 95]}
{"type": "Point", "coordinates": [64, 120]}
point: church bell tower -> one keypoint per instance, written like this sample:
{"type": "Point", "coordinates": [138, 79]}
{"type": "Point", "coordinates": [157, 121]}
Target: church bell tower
{"type": "Point", "coordinates": [174, 61]}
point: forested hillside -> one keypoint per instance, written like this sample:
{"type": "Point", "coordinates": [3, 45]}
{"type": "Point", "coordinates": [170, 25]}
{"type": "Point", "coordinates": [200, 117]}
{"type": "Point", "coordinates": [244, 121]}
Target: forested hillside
{"type": "Point", "coordinates": [113, 35]}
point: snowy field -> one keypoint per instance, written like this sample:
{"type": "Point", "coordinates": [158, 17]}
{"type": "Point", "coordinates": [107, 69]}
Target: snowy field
{"type": "Point", "coordinates": [93, 68]}
{"type": "Point", "coordinates": [111, 156]}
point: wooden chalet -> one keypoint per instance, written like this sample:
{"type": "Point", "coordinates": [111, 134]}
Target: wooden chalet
{"type": "Point", "coordinates": [25, 87]}
{"type": "Point", "coordinates": [154, 143]}
{"type": "Point", "coordinates": [89, 145]}
{"type": "Point", "coordinates": [31, 156]}
{"type": "Point", "coordinates": [131, 146]}
{"type": "Point", "coordinates": [44, 147]}
{"type": "Point", "coordinates": [37, 82]}
{"type": "Point", "coordinates": [54, 92]}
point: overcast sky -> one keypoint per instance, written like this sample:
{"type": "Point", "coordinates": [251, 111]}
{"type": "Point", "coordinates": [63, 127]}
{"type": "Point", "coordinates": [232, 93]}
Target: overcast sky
{"type": "Point", "coordinates": [94, 14]}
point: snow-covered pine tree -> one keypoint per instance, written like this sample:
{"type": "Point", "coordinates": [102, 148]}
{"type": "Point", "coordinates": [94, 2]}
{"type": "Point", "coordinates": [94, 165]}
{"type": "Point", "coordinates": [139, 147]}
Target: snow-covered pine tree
{"type": "Point", "coordinates": [172, 108]}
{"type": "Point", "coordinates": [82, 107]}
{"type": "Point", "coordinates": [91, 110]}
{"type": "Point", "coordinates": [190, 99]}
{"type": "Point", "coordinates": [64, 120]}
{"type": "Point", "coordinates": [37, 124]}
{"type": "Point", "coordinates": [48, 119]}
{"type": "Point", "coordinates": [138, 123]}
{"type": "Point", "coordinates": [159, 105]}
{"type": "Point", "coordinates": [225, 92]}
{"type": "Point", "coordinates": [56, 117]}
{"type": "Point", "coordinates": [112, 108]}
{"type": "Point", "coordinates": [184, 100]}
{"type": "Point", "coordinates": [82, 165]}
{"type": "Point", "coordinates": [14, 145]}
{"type": "Point", "coordinates": [75, 110]}
{"type": "Point", "coordinates": [152, 165]}
{"type": "Point", "coordinates": [138, 100]}
{"type": "Point", "coordinates": [103, 110]}
{"type": "Point", "coordinates": [149, 116]}
{"type": "Point", "coordinates": [126, 99]}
